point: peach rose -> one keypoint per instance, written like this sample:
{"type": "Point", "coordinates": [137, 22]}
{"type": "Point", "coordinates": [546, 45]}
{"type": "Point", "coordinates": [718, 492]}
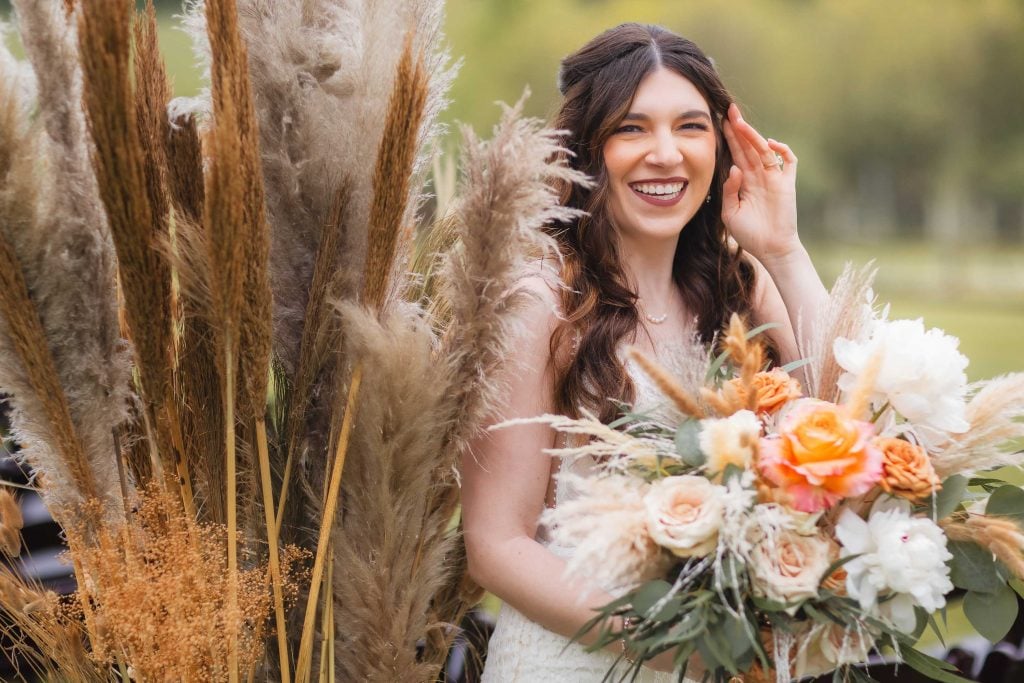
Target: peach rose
{"type": "Point", "coordinates": [774, 389]}
{"type": "Point", "coordinates": [820, 456]}
{"type": "Point", "coordinates": [788, 567]}
{"type": "Point", "coordinates": [906, 469]}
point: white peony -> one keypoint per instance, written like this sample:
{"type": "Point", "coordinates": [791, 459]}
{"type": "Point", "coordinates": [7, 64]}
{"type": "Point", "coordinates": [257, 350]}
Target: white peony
{"type": "Point", "coordinates": [730, 441]}
{"type": "Point", "coordinates": [684, 514]}
{"type": "Point", "coordinates": [900, 555]}
{"type": "Point", "coordinates": [921, 373]}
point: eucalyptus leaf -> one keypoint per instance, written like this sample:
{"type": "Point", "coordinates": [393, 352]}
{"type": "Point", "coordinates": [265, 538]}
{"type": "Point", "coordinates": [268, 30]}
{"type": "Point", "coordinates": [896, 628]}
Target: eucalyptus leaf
{"type": "Point", "coordinates": [946, 500]}
{"type": "Point", "coordinates": [670, 609]}
{"type": "Point", "coordinates": [761, 328]}
{"type": "Point", "coordinates": [795, 365]}
{"type": "Point", "coordinates": [688, 443]}
{"type": "Point", "coordinates": [991, 614]}
{"type": "Point", "coordinates": [648, 594]}
{"type": "Point", "coordinates": [1007, 501]}
{"type": "Point", "coordinates": [933, 668]}
{"type": "Point", "coordinates": [973, 568]}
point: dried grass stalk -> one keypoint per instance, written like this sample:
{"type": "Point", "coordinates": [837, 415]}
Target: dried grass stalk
{"type": "Point", "coordinates": [847, 314]}
{"type": "Point", "coordinates": [132, 200]}
{"type": "Point", "coordinates": [184, 155]}
{"type": "Point", "coordinates": [995, 413]}
{"type": "Point", "coordinates": [392, 173]}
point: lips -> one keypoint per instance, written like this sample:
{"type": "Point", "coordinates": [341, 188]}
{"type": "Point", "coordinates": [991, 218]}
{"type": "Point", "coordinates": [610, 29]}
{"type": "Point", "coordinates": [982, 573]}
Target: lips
{"type": "Point", "coordinates": [660, 191]}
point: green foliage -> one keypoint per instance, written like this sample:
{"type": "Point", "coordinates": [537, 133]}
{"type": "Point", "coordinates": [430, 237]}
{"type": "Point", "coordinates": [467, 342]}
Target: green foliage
{"type": "Point", "coordinates": [973, 568]}
{"type": "Point", "coordinates": [947, 500]}
{"type": "Point", "coordinates": [992, 614]}
{"type": "Point", "coordinates": [1007, 501]}
{"type": "Point", "coordinates": [688, 443]}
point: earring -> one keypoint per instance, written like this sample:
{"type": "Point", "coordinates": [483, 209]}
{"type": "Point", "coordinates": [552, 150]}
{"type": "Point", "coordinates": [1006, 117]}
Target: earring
{"type": "Point", "coordinates": [708, 199]}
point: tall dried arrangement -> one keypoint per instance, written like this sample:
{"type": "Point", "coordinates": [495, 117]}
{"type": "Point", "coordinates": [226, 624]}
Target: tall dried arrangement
{"type": "Point", "coordinates": [283, 379]}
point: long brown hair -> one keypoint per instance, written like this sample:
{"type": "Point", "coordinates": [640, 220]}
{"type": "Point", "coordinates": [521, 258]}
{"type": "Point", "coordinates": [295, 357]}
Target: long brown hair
{"type": "Point", "coordinates": [598, 84]}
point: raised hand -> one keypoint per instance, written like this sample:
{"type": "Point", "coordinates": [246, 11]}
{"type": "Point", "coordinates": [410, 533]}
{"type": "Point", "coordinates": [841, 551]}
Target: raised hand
{"type": "Point", "coordinates": [759, 202]}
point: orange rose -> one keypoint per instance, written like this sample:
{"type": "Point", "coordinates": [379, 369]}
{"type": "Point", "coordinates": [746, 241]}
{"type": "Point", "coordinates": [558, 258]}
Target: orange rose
{"type": "Point", "coordinates": [906, 469]}
{"type": "Point", "coordinates": [773, 390]}
{"type": "Point", "coordinates": [820, 456]}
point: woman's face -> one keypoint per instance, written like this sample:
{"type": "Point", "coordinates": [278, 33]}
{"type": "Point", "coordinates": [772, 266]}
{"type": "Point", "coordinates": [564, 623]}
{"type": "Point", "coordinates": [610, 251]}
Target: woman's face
{"type": "Point", "coordinates": [661, 159]}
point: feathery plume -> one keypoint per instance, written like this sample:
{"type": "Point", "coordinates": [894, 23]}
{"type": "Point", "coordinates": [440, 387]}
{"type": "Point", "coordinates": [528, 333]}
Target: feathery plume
{"type": "Point", "coordinates": [55, 228]}
{"type": "Point", "coordinates": [322, 79]}
{"type": "Point", "coordinates": [389, 477]}
{"type": "Point", "coordinates": [506, 197]}
{"type": "Point", "coordinates": [995, 413]}
{"type": "Point", "coordinates": [847, 313]}
{"type": "Point", "coordinates": [43, 393]}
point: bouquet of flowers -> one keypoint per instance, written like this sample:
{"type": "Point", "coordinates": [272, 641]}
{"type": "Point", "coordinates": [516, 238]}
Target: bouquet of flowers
{"type": "Point", "coordinates": [783, 532]}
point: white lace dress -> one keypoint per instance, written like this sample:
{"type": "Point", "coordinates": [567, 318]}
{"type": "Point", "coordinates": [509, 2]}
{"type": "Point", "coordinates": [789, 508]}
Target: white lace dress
{"type": "Point", "coordinates": [522, 651]}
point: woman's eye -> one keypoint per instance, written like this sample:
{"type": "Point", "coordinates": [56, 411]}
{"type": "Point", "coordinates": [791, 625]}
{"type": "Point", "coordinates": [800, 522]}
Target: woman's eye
{"type": "Point", "coordinates": [628, 128]}
{"type": "Point", "coordinates": [694, 125]}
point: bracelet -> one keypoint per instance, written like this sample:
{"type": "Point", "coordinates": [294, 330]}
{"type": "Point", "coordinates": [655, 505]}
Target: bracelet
{"type": "Point", "coordinates": [627, 623]}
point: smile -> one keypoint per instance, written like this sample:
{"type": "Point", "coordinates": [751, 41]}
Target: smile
{"type": "Point", "coordinates": [660, 194]}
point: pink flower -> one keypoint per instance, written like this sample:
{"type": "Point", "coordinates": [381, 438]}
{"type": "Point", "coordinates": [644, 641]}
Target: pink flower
{"type": "Point", "coordinates": [820, 456]}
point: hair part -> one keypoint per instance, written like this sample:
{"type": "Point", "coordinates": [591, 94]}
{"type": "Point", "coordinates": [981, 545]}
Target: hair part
{"type": "Point", "coordinates": [598, 84]}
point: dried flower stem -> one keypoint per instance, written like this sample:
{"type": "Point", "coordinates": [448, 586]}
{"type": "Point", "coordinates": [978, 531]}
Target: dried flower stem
{"type": "Point", "coordinates": [232, 505]}
{"type": "Point", "coordinates": [310, 362]}
{"type": "Point", "coordinates": [272, 541]}
{"type": "Point", "coordinates": [302, 667]}
{"type": "Point", "coordinates": [683, 400]}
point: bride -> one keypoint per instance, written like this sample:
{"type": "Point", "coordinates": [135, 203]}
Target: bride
{"type": "Point", "coordinates": [692, 216]}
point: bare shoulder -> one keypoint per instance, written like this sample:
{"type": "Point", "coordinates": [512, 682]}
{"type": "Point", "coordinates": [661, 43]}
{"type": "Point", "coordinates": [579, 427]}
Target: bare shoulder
{"type": "Point", "coordinates": [539, 288]}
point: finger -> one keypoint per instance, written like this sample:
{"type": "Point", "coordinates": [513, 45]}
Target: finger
{"type": "Point", "coordinates": [731, 191]}
{"type": "Point", "coordinates": [742, 155]}
{"type": "Point", "coordinates": [765, 155]}
{"type": "Point", "coordinates": [743, 152]}
{"type": "Point", "coordinates": [784, 151]}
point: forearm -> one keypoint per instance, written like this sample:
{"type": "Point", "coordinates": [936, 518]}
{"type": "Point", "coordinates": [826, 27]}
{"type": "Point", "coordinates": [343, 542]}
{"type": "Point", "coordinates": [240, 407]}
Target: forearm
{"type": "Point", "coordinates": [529, 577]}
{"type": "Point", "coordinates": [801, 291]}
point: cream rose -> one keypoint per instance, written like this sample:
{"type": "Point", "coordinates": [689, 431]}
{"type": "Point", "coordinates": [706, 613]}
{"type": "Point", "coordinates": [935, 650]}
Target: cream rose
{"type": "Point", "coordinates": [787, 566]}
{"type": "Point", "coordinates": [684, 514]}
{"type": "Point", "coordinates": [730, 441]}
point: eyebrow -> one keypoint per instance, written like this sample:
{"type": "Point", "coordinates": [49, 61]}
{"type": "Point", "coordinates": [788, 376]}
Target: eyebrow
{"type": "Point", "coordinates": [691, 114]}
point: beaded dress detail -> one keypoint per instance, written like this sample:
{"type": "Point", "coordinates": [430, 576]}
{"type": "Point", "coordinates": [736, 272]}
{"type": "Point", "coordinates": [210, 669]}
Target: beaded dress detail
{"type": "Point", "coordinates": [523, 651]}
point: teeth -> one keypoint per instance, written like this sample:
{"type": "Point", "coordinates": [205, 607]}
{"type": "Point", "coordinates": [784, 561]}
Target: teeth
{"type": "Point", "coordinates": [658, 189]}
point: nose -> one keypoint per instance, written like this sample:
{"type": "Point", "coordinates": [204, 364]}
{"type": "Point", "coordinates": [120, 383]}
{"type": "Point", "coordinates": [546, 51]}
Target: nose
{"type": "Point", "coordinates": [664, 150]}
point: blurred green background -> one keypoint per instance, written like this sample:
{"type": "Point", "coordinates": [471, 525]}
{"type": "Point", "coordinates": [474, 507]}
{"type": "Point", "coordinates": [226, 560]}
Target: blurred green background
{"type": "Point", "coordinates": [908, 118]}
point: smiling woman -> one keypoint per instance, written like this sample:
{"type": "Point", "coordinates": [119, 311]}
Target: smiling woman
{"type": "Point", "coordinates": [668, 128]}
{"type": "Point", "coordinates": [690, 218]}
